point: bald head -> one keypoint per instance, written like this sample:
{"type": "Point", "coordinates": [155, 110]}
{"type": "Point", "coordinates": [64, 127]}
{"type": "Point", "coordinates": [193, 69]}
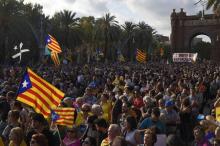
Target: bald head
{"type": "Point", "coordinates": [113, 131]}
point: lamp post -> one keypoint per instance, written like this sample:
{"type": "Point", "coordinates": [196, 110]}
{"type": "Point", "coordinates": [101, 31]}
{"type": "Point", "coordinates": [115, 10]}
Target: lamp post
{"type": "Point", "coordinates": [203, 3]}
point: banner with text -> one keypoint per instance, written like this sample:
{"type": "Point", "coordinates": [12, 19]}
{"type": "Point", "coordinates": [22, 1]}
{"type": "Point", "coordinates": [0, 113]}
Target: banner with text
{"type": "Point", "coordinates": [185, 57]}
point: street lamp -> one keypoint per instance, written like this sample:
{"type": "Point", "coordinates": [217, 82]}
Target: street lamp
{"type": "Point", "coordinates": [203, 3]}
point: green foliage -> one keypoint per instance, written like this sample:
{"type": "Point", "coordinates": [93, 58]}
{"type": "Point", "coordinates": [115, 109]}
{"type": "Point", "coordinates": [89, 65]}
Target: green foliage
{"type": "Point", "coordinates": [27, 23]}
{"type": "Point", "coordinates": [215, 4]}
{"type": "Point", "coordinates": [203, 49]}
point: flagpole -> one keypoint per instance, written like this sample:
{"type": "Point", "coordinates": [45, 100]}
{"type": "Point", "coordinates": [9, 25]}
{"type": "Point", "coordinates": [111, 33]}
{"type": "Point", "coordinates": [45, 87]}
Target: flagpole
{"type": "Point", "coordinates": [53, 124]}
{"type": "Point", "coordinates": [58, 133]}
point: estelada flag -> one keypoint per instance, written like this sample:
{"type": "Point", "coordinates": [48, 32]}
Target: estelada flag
{"type": "Point", "coordinates": [38, 93]}
{"type": "Point", "coordinates": [64, 116]}
{"type": "Point", "coordinates": [54, 48]}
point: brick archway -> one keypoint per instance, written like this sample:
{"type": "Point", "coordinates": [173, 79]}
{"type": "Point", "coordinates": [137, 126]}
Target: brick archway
{"type": "Point", "coordinates": [184, 28]}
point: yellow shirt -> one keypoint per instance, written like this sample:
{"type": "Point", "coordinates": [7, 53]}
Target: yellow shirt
{"type": "Point", "coordinates": [1, 142]}
{"type": "Point", "coordinates": [22, 143]}
{"type": "Point", "coordinates": [79, 119]}
{"type": "Point", "coordinates": [105, 142]}
{"type": "Point", "coordinates": [107, 107]}
{"type": "Point", "coordinates": [116, 81]}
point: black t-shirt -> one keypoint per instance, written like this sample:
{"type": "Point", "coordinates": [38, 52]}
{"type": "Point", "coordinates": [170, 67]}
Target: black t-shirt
{"type": "Point", "coordinates": [52, 139]}
{"type": "Point", "coordinates": [101, 136]}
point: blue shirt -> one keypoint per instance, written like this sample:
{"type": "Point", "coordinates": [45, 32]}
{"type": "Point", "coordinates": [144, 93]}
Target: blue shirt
{"type": "Point", "coordinates": [147, 123]}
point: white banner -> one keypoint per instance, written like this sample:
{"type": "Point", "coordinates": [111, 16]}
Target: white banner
{"type": "Point", "coordinates": [185, 57]}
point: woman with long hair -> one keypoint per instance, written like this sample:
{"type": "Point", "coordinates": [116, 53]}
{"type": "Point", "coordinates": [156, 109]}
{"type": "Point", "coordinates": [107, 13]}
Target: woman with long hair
{"type": "Point", "coordinates": [132, 136]}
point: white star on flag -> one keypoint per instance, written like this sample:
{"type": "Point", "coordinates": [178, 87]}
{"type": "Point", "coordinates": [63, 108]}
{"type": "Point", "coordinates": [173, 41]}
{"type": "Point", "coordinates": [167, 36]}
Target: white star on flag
{"type": "Point", "coordinates": [24, 84]}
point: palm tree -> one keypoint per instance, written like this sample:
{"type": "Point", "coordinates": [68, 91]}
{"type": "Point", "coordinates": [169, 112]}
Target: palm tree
{"type": "Point", "coordinates": [215, 4]}
{"type": "Point", "coordinates": [68, 20]}
{"type": "Point", "coordinates": [144, 36]}
{"type": "Point", "coordinates": [87, 28]}
{"type": "Point", "coordinates": [8, 11]}
{"type": "Point", "coordinates": [106, 22]}
{"type": "Point", "coordinates": [129, 33]}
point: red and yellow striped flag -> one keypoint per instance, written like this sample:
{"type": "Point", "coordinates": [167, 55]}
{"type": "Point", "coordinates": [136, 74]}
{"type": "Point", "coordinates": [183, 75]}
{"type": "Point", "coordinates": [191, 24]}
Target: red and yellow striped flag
{"type": "Point", "coordinates": [55, 58]}
{"type": "Point", "coordinates": [140, 56]}
{"type": "Point", "coordinates": [64, 116]}
{"type": "Point", "coordinates": [55, 48]}
{"type": "Point", "coordinates": [38, 93]}
{"type": "Point", "coordinates": [52, 44]}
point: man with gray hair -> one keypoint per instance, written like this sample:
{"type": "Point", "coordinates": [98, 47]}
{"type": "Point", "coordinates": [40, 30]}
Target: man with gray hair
{"type": "Point", "coordinates": [113, 131]}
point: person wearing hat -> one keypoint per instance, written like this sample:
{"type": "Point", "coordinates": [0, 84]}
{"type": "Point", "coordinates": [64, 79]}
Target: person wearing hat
{"type": "Point", "coordinates": [170, 116]}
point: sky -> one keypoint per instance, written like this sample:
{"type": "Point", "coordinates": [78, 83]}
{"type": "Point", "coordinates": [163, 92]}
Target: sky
{"type": "Point", "coordinates": [156, 13]}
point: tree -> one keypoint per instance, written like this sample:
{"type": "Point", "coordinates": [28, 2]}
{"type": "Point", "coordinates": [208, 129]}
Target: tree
{"type": "Point", "coordinates": [144, 36]}
{"type": "Point", "coordinates": [129, 33]}
{"type": "Point", "coordinates": [66, 20]}
{"type": "Point", "coordinates": [203, 49]}
{"type": "Point", "coordinates": [215, 4]}
{"type": "Point", "coordinates": [8, 11]}
{"type": "Point", "coordinates": [106, 22]}
{"type": "Point", "coordinates": [87, 28]}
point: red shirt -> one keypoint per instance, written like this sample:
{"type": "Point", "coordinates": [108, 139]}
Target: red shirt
{"type": "Point", "coordinates": [138, 102]}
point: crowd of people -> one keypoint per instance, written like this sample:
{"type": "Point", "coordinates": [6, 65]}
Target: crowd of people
{"type": "Point", "coordinates": [153, 104]}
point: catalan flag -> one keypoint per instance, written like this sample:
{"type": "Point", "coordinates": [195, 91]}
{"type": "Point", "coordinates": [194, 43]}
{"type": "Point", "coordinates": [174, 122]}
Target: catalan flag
{"type": "Point", "coordinates": [38, 93]}
{"type": "Point", "coordinates": [55, 58]}
{"type": "Point", "coordinates": [140, 56]}
{"type": "Point", "coordinates": [52, 44]}
{"type": "Point", "coordinates": [54, 48]}
{"type": "Point", "coordinates": [64, 116]}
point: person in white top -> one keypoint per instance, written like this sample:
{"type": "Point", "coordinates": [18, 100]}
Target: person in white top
{"type": "Point", "coordinates": [132, 136]}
